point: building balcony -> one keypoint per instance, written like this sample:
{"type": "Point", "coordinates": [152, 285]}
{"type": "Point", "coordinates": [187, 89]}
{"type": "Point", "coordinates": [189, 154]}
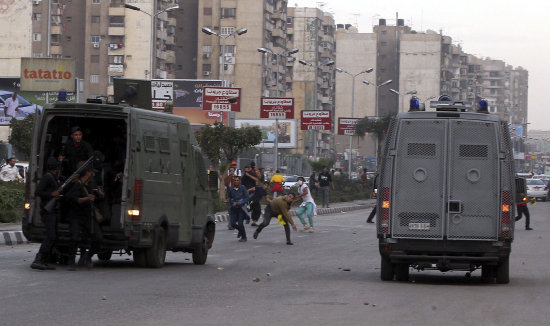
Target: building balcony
{"type": "Point", "coordinates": [277, 32]}
{"type": "Point", "coordinates": [269, 8]}
{"type": "Point", "coordinates": [55, 49]}
{"type": "Point", "coordinates": [116, 11]}
{"type": "Point", "coordinates": [171, 57]}
{"type": "Point", "coordinates": [116, 31]}
{"type": "Point", "coordinates": [325, 99]}
{"type": "Point", "coordinates": [55, 30]}
{"type": "Point", "coordinates": [170, 40]}
{"type": "Point", "coordinates": [116, 49]}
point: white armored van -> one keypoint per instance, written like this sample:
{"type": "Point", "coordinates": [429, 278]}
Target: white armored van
{"type": "Point", "coordinates": [446, 194]}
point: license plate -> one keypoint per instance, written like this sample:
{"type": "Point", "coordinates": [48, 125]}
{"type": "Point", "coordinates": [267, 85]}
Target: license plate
{"type": "Point", "coordinates": [419, 226]}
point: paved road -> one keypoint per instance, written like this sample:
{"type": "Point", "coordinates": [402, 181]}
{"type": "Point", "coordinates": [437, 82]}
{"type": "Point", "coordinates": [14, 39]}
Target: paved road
{"type": "Point", "coordinates": [330, 277]}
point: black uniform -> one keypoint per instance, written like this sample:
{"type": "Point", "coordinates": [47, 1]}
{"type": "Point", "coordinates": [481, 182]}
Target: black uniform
{"type": "Point", "coordinates": [255, 205]}
{"type": "Point", "coordinates": [46, 186]}
{"type": "Point", "coordinates": [82, 222]}
{"type": "Point", "coordinates": [74, 153]}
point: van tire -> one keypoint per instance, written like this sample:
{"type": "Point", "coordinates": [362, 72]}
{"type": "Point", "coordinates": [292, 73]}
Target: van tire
{"type": "Point", "coordinates": [156, 255]}
{"type": "Point", "coordinates": [139, 258]}
{"type": "Point", "coordinates": [105, 255]}
{"type": "Point", "coordinates": [402, 272]}
{"type": "Point", "coordinates": [487, 273]}
{"type": "Point", "coordinates": [386, 269]}
{"type": "Point", "coordinates": [201, 253]}
{"type": "Point", "coordinates": [503, 271]}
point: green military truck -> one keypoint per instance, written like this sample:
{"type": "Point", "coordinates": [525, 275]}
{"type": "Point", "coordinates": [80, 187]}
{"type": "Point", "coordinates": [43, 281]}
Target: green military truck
{"type": "Point", "coordinates": [162, 201]}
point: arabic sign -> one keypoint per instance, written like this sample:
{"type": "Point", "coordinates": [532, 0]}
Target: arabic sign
{"type": "Point", "coordinates": [346, 126]}
{"type": "Point", "coordinates": [47, 74]}
{"type": "Point", "coordinates": [161, 93]}
{"type": "Point", "coordinates": [316, 120]}
{"type": "Point", "coordinates": [277, 108]}
{"type": "Point", "coordinates": [221, 99]}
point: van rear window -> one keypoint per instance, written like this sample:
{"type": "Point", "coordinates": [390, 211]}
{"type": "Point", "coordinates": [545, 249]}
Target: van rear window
{"type": "Point", "coordinates": [473, 150]}
{"type": "Point", "coordinates": [420, 149]}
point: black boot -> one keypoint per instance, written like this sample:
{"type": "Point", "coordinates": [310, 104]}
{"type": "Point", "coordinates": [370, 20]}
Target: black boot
{"type": "Point", "coordinates": [46, 260]}
{"type": "Point", "coordinates": [38, 263]}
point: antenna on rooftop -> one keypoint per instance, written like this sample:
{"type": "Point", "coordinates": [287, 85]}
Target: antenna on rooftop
{"type": "Point", "coordinates": [357, 20]}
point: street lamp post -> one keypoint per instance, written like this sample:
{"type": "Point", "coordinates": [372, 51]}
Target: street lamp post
{"type": "Point", "coordinates": [152, 16]}
{"type": "Point", "coordinates": [237, 32]}
{"type": "Point", "coordinates": [377, 112]}
{"type": "Point", "coordinates": [306, 63]}
{"type": "Point", "coordinates": [284, 53]}
{"type": "Point", "coordinates": [366, 71]}
{"type": "Point", "coordinates": [402, 96]}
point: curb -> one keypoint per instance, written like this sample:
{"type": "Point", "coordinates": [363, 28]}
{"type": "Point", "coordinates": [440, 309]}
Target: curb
{"type": "Point", "coordinates": [320, 211]}
{"type": "Point", "coordinates": [10, 238]}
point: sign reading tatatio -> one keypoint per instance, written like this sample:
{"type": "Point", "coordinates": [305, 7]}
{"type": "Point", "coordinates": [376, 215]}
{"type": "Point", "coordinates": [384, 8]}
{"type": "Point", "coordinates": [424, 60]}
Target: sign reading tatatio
{"type": "Point", "coordinates": [221, 99]}
{"type": "Point", "coordinates": [316, 120]}
{"type": "Point", "coordinates": [346, 126]}
{"type": "Point", "coordinates": [47, 74]}
{"type": "Point", "coordinates": [277, 108]}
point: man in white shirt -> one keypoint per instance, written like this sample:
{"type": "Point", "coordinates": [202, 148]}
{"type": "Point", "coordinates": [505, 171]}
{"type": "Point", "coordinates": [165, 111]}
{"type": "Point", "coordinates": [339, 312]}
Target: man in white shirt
{"type": "Point", "coordinates": [308, 205]}
{"type": "Point", "coordinates": [11, 106]}
{"type": "Point", "coordinates": [10, 171]}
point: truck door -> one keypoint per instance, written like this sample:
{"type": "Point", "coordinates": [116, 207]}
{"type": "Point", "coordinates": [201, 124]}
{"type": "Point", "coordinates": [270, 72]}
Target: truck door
{"type": "Point", "coordinates": [418, 179]}
{"type": "Point", "coordinates": [473, 181]}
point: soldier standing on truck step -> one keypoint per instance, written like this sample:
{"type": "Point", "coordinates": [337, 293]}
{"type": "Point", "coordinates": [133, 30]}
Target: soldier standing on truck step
{"type": "Point", "coordinates": [46, 190]}
{"type": "Point", "coordinates": [75, 150]}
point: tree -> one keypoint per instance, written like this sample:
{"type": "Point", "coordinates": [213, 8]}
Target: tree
{"type": "Point", "coordinates": [218, 142]}
{"type": "Point", "coordinates": [377, 126]}
{"type": "Point", "coordinates": [321, 163]}
{"type": "Point", "coordinates": [21, 135]}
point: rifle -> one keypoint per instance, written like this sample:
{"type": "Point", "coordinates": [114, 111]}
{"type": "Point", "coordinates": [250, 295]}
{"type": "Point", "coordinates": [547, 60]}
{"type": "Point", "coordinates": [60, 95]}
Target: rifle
{"type": "Point", "coordinates": [51, 203]}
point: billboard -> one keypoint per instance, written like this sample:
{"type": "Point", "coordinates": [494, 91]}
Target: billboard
{"type": "Point", "coordinates": [47, 74]}
{"type": "Point", "coordinates": [188, 92]}
{"type": "Point", "coordinates": [277, 108]}
{"type": "Point", "coordinates": [286, 132]}
{"type": "Point", "coordinates": [316, 120]}
{"type": "Point", "coordinates": [200, 117]}
{"type": "Point", "coordinates": [346, 126]}
{"type": "Point", "coordinates": [221, 99]}
{"type": "Point", "coordinates": [162, 92]}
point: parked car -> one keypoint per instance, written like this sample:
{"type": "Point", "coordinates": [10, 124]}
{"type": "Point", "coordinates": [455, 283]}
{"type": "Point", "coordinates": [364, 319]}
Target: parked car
{"type": "Point", "coordinates": [537, 188]}
{"type": "Point", "coordinates": [290, 181]}
{"type": "Point", "coordinates": [25, 107]}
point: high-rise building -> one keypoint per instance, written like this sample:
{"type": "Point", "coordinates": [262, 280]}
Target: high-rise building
{"type": "Point", "coordinates": [107, 40]}
{"type": "Point", "coordinates": [312, 31]}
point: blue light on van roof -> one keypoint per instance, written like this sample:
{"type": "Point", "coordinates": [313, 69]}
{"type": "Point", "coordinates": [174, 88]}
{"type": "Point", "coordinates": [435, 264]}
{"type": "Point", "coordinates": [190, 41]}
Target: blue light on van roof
{"type": "Point", "coordinates": [414, 104]}
{"type": "Point", "coordinates": [483, 106]}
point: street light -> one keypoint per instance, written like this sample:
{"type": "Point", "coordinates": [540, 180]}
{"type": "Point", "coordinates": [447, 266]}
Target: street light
{"type": "Point", "coordinates": [402, 96]}
{"type": "Point", "coordinates": [285, 53]}
{"type": "Point", "coordinates": [152, 16]}
{"type": "Point", "coordinates": [366, 71]}
{"type": "Point", "coordinates": [329, 62]}
{"type": "Point", "coordinates": [237, 32]}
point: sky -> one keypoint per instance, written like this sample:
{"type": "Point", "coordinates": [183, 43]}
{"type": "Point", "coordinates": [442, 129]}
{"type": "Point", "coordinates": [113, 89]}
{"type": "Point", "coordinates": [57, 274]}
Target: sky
{"type": "Point", "coordinates": [517, 32]}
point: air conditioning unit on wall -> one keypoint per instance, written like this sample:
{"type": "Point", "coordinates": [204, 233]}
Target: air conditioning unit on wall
{"type": "Point", "coordinates": [96, 45]}
{"type": "Point", "coordinates": [206, 73]}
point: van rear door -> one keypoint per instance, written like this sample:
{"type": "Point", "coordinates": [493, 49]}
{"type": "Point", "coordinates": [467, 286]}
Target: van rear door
{"type": "Point", "coordinates": [446, 180]}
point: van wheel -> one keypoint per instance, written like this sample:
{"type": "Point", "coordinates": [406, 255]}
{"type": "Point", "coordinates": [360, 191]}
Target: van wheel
{"type": "Point", "coordinates": [386, 269]}
{"type": "Point", "coordinates": [402, 272]}
{"type": "Point", "coordinates": [156, 255]}
{"type": "Point", "coordinates": [487, 273]}
{"type": "Point", "coordinates": [201, 253]}
{"type": "Point", "coordinates": [503, 271]}
{"type": "Point", "coordinates": [105, 255]}
{"type": "Point", "coordinates": [139, 257]}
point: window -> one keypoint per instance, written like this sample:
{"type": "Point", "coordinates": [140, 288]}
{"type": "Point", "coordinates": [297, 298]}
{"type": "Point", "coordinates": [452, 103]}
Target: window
{"type": "Point", "coordinates": [96, 19]}
{"type": "Point", "coordinates": [206, 67]}
{"type": "Point", "coordinates": [69, 38]}
{"type": "Point", "coordinates": [229, 12]}
{"type": "Point", "coordinates": [227, 30]}
{"type": "Point", "coordinates": [37, 16]}
{"type": "Point", "coordinates": [207, 11]}
{"type": "Point", "coordinates": [94, 58]}
{"type": "Point", "coordinates": [230, 49]}
{"type": "Point", "coordinates": [289, 20]}
{"type": "Point", "coordinates": [96, 1]}
{"type": "Point", "coordinates": [116, 21]}
{"type": "Point", "coordinates": [95, 38]}
{"type": "Point", "coordinates": [117, 59]}
{"type": "Point", "coordinates": [94, 79]}
{"type": "Point", "coordinates": [37, 37]}
{"type": "Point", "coordinates": [383, 43]}
{"type": "Point", "coordinates": [207, 48]}
{"type": "Point", "coordinates": [68, 19]}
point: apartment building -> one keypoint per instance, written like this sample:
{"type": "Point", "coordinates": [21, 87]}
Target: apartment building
{"type": "Point", "coordinates": [15, 36]}
{"type": "Point", "coordinates": [355, 53]}
{"type": "Point", "coordinates": [312, 31]}
{"type": "Point", "coordinates": [241, 64]}
{"type": "Point", "coordinates": [106, 39]}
